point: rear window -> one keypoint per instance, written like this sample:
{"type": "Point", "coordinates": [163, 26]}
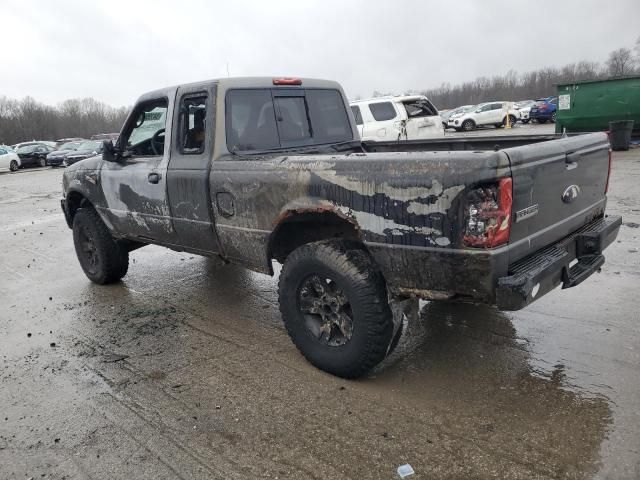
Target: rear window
{"type": "Point", "coordinates": [382, 111]}
{"type": "Point", "coordinates": [267, 119]}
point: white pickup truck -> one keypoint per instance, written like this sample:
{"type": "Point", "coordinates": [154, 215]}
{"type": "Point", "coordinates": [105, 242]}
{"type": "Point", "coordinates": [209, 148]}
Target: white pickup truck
{"type": "Point", "coordinates": [489, 113]}
{"type": "Point", "coordinates": [409, 117]}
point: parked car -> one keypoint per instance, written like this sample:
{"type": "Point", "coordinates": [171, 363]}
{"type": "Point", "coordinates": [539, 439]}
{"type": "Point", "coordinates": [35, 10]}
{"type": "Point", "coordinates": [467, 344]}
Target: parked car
{"type": "Point", "coordinates": [362, 230]}
{"type": "Point", "coordinates": [62, 141]}
{"type": "Point", "coordinates": [484, 114]}
{"type": "Point", "coordinates": [397, 118]}
{"type": "Point", "coordinates": [56, 157]}
{"type": "Point", "coordinates": [524, 107]}
{"type": "Point", "coordinates": [544, 110]}
{"type": "Point", "coordinates": [455, 111]}
{"type": "Point", "coordinates": [9, 159]}
{"type": "Point", "coordinates": [86, 149]}
{"type": "Point", "coordinates": [34, 154]}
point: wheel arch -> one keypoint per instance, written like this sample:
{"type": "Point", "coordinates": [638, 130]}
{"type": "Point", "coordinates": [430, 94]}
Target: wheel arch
{"type": "Point", "coordinates": [298, 226]}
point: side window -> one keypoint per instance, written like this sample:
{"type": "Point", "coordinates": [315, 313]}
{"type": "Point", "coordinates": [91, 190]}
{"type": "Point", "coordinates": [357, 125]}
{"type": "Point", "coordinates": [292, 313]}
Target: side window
{"type": "Point", "coordinates": [496, 106]}
{"type": "Point", "coordinates": [554, 101]}
{"type": "Point", "coordinates": [3, 151]}
{"type": "Point", "coordinates": [193, 115]}
{"type": "Point", "coordinates": [382, 111]}
{"type": "Point", "coordinates": [357, 114]}
{"type": "Point", "coordinates": [420, 108]}
{"type": "Point", "coordinates": [145, 135]}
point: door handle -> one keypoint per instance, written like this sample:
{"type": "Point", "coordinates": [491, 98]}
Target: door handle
{"type": "Point", "coordinates": [154, 177]}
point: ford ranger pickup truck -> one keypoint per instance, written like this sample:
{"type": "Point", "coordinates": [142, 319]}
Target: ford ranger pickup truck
{"type": "Point", "coordinates": [257, 170]}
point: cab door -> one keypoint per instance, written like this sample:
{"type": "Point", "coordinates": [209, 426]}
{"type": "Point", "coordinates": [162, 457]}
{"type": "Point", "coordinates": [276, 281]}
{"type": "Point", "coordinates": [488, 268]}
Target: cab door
{"type": "Point", "coordinates": [190, 165]}
{"type": "Point", "coordinates": [135, 187]}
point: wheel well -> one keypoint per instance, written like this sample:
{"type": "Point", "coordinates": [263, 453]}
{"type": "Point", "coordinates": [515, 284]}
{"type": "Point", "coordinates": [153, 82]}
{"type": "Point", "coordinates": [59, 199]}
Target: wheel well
{"type": "Point", "coordinates": [299, 228]}
{"type": "Point", "coordinates": [468, 120]}
{"type": "Point", "coordinates": [75, 200]}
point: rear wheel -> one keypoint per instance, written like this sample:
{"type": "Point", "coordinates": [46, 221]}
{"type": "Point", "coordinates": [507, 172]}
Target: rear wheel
{"type": "Point", "coordinates": [13, 165]}
{"type": "Point", "coordinates": [468, 125]}
{"type": "Point", "coordinates": [101, 258]}
{"type": "Point", "coordinates": [333, 301]}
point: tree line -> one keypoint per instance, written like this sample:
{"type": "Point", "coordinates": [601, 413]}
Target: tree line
{"type": "Point", "coordinates": [26, 119]}
{"type": "Point", "coordinates": [530, 85]}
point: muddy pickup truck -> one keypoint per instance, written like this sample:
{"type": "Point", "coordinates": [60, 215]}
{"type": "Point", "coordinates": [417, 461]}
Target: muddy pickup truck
{"type": "Point", "coordinates": [254, 170]}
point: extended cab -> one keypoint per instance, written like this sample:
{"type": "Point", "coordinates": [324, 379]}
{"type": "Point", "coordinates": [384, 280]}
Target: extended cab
{"type": "Point", "coordinates": [258, 169]}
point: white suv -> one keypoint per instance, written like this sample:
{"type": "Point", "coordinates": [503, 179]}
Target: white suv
{"type": "Point", "coordinates": [397, 118]}
{"type": "Point", "coordinates": [490, 113]}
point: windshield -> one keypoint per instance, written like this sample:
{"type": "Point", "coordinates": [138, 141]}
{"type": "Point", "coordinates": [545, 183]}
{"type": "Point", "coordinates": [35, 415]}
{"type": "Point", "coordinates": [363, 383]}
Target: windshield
{"type": "Point", "coordinates": [271, 119]}
{"type": "Point", "coordinates": [69, 146]}
{"type": "Point", "coordinates": [92, 145]}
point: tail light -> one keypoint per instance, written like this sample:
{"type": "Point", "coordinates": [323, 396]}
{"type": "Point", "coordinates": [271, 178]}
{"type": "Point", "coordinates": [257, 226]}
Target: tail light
{"type": "Point", "coordinates": [488, 215]}
{"type": "Point", "coordinates": [544, 106]}
{"type": "Point", "coordinates": [606, 188]}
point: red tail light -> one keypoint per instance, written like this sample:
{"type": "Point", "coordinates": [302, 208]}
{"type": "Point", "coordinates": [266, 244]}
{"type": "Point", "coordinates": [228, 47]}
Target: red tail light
{"type": "Point", "coordinates": [544, 106]}
{"type": "Point", "coordinates": [287, 81]}
{"type": "Point", "coordinates": [606, 188]}
{"type": "Point", "coordinates": [488, 215]}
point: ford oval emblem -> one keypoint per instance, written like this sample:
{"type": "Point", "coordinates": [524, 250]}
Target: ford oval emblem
{"type": "Point", "coordinates": [570, 193]}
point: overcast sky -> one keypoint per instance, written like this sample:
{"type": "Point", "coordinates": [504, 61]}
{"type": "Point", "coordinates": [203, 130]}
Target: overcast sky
{"type": "Point", "coordinates": [115, 50]}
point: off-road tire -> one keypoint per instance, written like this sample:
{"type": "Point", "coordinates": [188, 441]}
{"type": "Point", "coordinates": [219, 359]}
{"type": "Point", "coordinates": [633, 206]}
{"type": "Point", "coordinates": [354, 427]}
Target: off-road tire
{"type": "Point", "coordinates": [108, 261]}
{"type": "Point", "coordinates": [13, 166]}
{"type": "Point", "coordinates": [358, 277]}
{"type": "Point", "coordinates": [468, 125]}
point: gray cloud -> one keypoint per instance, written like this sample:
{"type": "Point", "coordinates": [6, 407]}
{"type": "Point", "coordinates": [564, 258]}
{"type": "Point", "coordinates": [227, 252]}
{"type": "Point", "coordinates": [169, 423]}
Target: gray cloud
{"type": "Point", "coordinates": [115, 50]}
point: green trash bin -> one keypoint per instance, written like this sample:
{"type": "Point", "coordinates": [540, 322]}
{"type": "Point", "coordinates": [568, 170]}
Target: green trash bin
{"type": "Point", "coordinates": [620, 134]}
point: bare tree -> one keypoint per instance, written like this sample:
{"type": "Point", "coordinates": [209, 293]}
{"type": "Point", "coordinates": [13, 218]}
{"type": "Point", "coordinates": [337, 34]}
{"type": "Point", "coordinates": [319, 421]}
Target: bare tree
{"type": "Point", "coordinates": [620, 62]}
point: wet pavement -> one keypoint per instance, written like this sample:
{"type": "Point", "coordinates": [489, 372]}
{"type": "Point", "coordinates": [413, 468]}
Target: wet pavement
{"type": "Point", "coordinates": [184, 370]}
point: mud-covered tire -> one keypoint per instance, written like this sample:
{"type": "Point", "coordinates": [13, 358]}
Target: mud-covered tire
{"type": "Point", "coordinates": [101, 258]}
{"type": "Point", "coordinates": [13, 166]}
{"type": "Point", "coordinates": [356, 276]}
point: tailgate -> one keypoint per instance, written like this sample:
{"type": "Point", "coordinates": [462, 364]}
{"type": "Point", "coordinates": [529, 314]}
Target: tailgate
{"type": "Point", "coordinates": [558, 187]}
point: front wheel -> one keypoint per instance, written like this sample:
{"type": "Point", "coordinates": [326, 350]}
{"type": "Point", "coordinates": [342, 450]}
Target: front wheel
{"type": "Point", "coordinates": [468, 125]}
{"type": "Point", "coordinates": [525, 121]}
{"type": "Point", "coordinates": [333, 301]}
{"type": "Point", "coordinates": [553, 117]}
{"type": "Point", "coordinates": [13, 166]}
{"type": "Point", "coordinates": [101, 258]}
{"type": "Point", "coordinates": [43, 162]}
{"type": "Point", "coordinates": [542, 120]}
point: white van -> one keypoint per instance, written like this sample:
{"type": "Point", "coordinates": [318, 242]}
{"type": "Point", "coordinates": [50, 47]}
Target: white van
{"type": "Point", "coordinates": [410, 117]}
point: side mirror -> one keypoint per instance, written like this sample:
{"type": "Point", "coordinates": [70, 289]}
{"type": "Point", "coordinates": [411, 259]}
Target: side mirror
{"type": "Point", "coordinates": [109, 152]}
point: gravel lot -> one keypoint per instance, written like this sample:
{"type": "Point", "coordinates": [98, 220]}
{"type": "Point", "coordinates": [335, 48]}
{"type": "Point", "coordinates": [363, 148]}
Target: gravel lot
{"type": "Point", "coordinates": [184, 370]}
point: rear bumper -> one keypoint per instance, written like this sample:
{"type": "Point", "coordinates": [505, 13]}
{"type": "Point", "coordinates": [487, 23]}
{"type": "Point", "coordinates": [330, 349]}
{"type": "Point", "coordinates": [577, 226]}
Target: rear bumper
{"type": "Point", "coordinates": [535, 275]}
